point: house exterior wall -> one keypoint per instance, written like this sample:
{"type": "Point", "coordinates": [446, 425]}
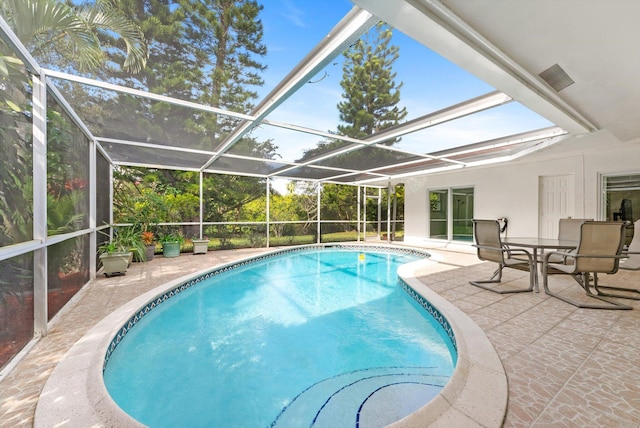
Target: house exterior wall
{"type": "Point", "coordinates": [511, 189]}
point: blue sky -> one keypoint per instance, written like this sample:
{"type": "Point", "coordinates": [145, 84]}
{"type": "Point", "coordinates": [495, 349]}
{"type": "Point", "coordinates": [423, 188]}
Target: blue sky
{"type": "Point", "coordinates": [293, 27]}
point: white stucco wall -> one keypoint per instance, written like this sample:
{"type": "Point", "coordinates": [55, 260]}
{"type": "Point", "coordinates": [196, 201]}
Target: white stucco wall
{"type": "Point", "coordinates": [511, 189]}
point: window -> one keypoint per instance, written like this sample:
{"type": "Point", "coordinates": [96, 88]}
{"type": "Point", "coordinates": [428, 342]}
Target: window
{"type": "Point", "coordinates": [451, 214]}
{"type": "Point", "coordinates": [622, 199]}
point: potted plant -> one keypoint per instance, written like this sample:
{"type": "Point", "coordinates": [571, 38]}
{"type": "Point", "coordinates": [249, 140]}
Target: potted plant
{"type": "Point", "coordinates": [114, 258]}
{"type": "Point", "coordinates": [171, 244]}
{"type": "Point", "coordinates": [129, 238]}
{"type": "Point", "coordinates": [200, 246]}
{"type": "Point", "coordinates": [148, 239]}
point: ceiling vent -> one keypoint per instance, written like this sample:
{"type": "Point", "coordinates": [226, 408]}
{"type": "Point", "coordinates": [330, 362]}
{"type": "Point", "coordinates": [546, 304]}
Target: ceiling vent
{"type": "Point", "coordinates": [556, 77]}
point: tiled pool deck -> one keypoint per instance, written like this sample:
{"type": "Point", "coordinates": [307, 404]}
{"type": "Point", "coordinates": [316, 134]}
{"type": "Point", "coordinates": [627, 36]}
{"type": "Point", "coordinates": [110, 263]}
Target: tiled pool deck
{"type": "Point", "coordinates": [566, 366]}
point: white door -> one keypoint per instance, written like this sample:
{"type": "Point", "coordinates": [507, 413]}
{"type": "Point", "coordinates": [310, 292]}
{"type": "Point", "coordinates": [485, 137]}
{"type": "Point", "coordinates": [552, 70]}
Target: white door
{"type": "Point", "coordinates": [555, 202]}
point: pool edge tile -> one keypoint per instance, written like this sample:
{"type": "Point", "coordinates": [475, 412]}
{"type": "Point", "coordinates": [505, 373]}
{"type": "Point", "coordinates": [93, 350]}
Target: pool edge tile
{"type": "Point", "coordinates": [478, 369]}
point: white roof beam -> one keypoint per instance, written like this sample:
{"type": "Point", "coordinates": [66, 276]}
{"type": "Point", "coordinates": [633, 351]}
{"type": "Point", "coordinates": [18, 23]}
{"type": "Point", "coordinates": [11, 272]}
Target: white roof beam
{"type": "Point", "coordinates": [144, 94]}
{"type": "Point", "coordinates": [465, 108]}
{"type": "Point", "coordinates": [344, 34]}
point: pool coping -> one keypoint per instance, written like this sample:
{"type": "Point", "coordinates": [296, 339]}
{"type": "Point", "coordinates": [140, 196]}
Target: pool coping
{"type": "Point", "coordinates": [75, 394]}
{"type": "Point", "coordinates": [477, 393]}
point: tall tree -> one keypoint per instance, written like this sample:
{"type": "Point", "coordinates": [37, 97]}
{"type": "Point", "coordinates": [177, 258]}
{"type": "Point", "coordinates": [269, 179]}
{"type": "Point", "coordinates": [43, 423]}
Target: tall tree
{"type": "Point", "coordinates": [370, 104]}
{"type": "Point", "coordinates": [231, 32]}
{"type": "Point", "coordinates": [208, 51]}
{"type": "Point", "coordinates": [174, 68]}
{"type": "Point", "coordinates": [371, 95]}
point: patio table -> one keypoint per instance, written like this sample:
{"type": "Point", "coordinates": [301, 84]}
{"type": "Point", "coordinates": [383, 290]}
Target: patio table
{"type": "Point", "coordinates": [539, 245]}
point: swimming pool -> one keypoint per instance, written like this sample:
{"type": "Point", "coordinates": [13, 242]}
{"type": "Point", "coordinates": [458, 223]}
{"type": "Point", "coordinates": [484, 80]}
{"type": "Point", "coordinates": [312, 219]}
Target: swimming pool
{"type": "Point", "coordinates": [331, 302]}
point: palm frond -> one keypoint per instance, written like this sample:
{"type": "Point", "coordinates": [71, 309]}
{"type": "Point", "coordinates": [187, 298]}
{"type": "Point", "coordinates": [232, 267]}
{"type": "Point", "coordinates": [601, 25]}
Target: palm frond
{"type": "Point", "coordinates": [103, 16]}
{"type": "Point", "coordinates": [52, 25]}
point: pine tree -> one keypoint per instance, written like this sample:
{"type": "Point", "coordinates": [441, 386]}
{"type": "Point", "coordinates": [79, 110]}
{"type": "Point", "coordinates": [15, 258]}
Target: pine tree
{"type": "Point", "coordinates": [370, 92]}
{"type": "Point", "coordinates": [231, 32]}
{"type": "Point", "coordinates": [371, 95]}
{"type": "Point", "coordinates": [208, 51]}
{"type": "Point", "coordinates": [370, 105]}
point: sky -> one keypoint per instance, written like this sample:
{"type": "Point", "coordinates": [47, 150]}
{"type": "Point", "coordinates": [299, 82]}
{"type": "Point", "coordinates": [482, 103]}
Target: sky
{"type": "Point", "coordinates": [293, 27]}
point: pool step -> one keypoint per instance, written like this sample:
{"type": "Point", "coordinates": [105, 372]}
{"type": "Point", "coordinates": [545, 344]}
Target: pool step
{"type": "Point", "coordinates": [363, 398]}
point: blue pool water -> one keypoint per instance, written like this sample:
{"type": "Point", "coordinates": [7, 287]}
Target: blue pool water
{"type": "Point", "coordinates": [309, 338]}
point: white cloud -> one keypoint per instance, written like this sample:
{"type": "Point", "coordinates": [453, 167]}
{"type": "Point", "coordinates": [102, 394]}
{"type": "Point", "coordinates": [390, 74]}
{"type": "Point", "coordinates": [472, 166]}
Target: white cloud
{"type": "Point", "coordinates": [292, 13]}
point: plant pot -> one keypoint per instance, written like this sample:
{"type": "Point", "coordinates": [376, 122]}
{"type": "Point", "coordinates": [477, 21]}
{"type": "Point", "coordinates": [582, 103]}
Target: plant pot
{"type": "Point", "coordinates": [200, 246]}
{"type": "Point", "coordinates": [115, 263]}
{"type": "Point", "coordinates": [151, 249]}
{"type": "Point", "coordinates": [171, 249]}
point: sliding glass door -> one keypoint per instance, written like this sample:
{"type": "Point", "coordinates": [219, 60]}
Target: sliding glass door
{"type": "Point", "coordinates": [451, 214]}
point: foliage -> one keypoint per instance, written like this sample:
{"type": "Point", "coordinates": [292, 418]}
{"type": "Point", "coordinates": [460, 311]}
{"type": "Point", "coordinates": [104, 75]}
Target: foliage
{"type": "Point", "coordinates": [133, 203]}
{"type": "Point", "coordinates": [130, 238]}
{"type": "Point", "coordinates": [207, 51]}
{"type": "Point", "coordinates": [226, 195]}
{"type": "Point", "coordinates": [370, 98]}
{"type": "Point", "coordinates": [372, 204]}
{"type": "Point", "coordinates": [306, 197]}
{"type": "Point", "coordinates": [66, 192]}
{"type": "Point", "coordinates": [111, 246]}
{"type": "Point", "coordinates": [370, 92]}
{"type": "Point", "coordinates": [148, 203]}
{"type": "Point", "coordinates": [57, 33]}
{"type": "Point", "coordinates": [181, 207]}
{"type": "Point", "coordinates": [62, 215]}
{"type": "Point", "coordinates": [369, 106]}
{"type": "Point", "coordinates": [171, 237]}
{"type": "Point", "coordinates": [147, 237]}
{"type": "Point", "coordinates": [125, 239]}
{"type": "Point", "coordinates": [339, 202]}
{"type": "Point", "coordinates": [16, 162]}
{"type": "Point", "coordinates": [256, 240]}
{"type": "Point", "coordinates": [231, 32]}
{"type": "Point", "coordinates": [285, 208]}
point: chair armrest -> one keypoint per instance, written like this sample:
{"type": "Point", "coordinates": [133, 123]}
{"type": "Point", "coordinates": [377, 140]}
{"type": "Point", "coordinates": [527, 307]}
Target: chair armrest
{"type": "Point", "coordinates": [509, 251]}
{"type": "Point", "coordinates": [596, 256]}
{"type": "Point", "coordinates": [578, 256]}
{"type": "Point", "coordinates": [549, 254]}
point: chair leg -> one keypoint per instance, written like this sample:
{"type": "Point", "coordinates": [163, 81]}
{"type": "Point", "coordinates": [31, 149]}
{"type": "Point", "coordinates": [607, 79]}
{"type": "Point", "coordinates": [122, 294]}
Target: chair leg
{"type": "Point", "coordinates": [496, 278]}
{"type": "Point", "coordinates": [583, 280]}
{"type": "Point", "coordinates": [599, 292]}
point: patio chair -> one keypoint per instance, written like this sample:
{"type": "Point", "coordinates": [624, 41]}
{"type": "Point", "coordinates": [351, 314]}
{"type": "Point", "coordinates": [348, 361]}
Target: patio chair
{"type": "Point", "coordinates": [599, 251]}
{"type": "Point", "coordinates": [630, 261]}
{"type": "Point", "coordinates": [568, 230]}
{"type": "Point", "coordinates": [490, 248]}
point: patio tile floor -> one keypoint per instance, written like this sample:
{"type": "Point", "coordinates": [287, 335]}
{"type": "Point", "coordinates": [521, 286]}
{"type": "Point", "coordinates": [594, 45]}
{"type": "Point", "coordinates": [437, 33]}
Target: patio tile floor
{"type": "Point", "coordinates": [566, 366]}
